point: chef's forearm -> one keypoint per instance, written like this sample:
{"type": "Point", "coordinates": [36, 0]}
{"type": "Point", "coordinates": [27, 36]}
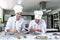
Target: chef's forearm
{"type": "Point", "coordinates": [39, 30]}
{"type": "Point", "coordinates": [9, 30]}
{"type": "Point", "coordinates": [12, 30]}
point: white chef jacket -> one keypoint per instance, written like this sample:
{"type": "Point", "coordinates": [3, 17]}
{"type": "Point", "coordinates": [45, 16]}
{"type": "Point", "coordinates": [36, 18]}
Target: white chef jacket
{"type": "Point", "coordinates": [18, 25]}
{"type": "Point", "coordinates": [40, 25]}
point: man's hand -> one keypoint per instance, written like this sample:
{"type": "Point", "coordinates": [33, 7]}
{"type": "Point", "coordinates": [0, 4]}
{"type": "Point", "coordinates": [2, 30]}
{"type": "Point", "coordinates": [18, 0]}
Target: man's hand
{"type": "Point", "coordinates": [32, 30]}
{"type": "Point", "coordinates": [39, 30]}
{"type": "Point", "coordinates": [12, 30]}
{"type": "Point", "coordinates": [15, 31]}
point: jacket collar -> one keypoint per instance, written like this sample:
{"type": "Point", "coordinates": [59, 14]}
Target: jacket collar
{"type": "Point", "coordinates": [14, 18]}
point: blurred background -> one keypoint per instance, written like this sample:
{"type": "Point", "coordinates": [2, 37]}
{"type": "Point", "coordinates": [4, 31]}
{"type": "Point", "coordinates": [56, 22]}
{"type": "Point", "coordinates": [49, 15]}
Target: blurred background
{"type": "Point", "coordinates": [51, 12]}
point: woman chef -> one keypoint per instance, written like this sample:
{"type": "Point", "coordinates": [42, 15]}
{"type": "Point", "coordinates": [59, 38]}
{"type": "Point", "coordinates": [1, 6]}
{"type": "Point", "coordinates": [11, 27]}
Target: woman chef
{"type": "Point", "coordinates": [38, 24]}
{"type": "Point", "coordinates": [16, 24]}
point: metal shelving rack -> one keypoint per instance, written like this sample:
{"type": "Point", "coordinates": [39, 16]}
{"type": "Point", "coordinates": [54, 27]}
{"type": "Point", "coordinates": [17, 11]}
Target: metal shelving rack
{"type": "Point", "coordinates": [59, 20]}
{"type": "Point", "coordinates": [56, 20]}
{"type": "Point", "coordinates": [49, 22]}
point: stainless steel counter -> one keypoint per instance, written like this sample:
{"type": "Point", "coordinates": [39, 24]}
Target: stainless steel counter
{"type": "Point", "coordinates": [29, 37]}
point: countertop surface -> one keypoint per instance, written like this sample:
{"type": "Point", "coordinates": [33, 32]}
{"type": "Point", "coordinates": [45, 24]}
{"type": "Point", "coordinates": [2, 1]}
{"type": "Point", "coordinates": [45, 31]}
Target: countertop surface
{"type": "Point", "coordinates": [29, 36]}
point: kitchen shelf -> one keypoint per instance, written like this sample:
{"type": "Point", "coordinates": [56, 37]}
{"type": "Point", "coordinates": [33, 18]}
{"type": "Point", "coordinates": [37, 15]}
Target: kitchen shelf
{"type": "Point", "coordinates": [56, 19]}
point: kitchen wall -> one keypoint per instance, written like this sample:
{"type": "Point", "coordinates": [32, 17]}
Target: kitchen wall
{"type": "Point", "coordinates": [1, 13]}
{"type": "Point", "coordinates": [11, 12]}
{"type": "Point", "coordinates": [8, 13]}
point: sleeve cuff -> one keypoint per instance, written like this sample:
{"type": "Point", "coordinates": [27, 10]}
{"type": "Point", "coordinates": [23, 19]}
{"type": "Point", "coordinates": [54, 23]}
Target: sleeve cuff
{"type": "Point", "coordinates": [23, 29]}
{"type": "Point", "coordinates": [6, 28]}
{"type": "Point", "coordinates": [43, 31]}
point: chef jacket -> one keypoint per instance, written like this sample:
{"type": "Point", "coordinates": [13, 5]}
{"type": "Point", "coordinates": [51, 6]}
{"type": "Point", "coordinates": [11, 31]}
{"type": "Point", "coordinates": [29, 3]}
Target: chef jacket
{"type": "Point", "coordinates": [14, 24]}
{"type": "Point", "coordinates": [40, 25]}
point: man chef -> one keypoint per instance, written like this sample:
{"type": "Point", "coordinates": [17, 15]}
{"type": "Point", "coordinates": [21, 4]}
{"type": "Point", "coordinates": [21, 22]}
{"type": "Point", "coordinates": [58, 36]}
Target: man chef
{"type": "Point", "coordinates": [38, 24]}
{"type": "Point", "coordinates": [16, 24]}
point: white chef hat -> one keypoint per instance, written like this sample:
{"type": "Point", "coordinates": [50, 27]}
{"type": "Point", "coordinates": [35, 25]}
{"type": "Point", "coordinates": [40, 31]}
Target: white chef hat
{"type": "Point", "coordinates": [19, 1]}
{"type": "Point", "coordinates": [18, 8]}
{"type": "Point", "coordinates": [38, 14]}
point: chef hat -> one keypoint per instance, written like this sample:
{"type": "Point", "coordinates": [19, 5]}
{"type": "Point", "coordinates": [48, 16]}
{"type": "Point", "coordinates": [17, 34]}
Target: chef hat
{"type": "Point", "coordinates": [18, 8]}
{"type": "Point", "coordinates": [19, 1]}
{"type": "Point", "coordinates": [38, 14]}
